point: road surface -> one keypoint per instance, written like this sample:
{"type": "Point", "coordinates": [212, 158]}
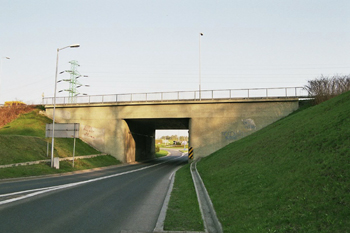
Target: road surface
{"type": "Point", "coordinates": [125, 198]}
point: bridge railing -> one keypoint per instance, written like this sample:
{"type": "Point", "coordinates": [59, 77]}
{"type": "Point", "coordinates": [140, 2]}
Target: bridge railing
{"type": "Point", "coordinates": [277, 92]}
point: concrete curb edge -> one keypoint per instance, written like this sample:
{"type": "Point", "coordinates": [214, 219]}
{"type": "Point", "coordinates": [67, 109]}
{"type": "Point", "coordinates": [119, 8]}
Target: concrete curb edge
{"type": "Point", "coordinates": [160, 222]}
{"type": "Point", "coordinates": [211, 222]}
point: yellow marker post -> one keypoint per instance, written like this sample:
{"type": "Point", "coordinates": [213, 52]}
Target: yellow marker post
{"type": "Point", "coordinates": [190, 153]}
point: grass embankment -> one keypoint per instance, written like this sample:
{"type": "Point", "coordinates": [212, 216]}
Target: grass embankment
{"type": "Point", "coordinates": [183, 197]}
{"type": "Point", "coordinates": [9, 113]}
{"type": "Point", "coordinates": [292, 176]}
{"type": "Point", "coordinates": [23, 140]}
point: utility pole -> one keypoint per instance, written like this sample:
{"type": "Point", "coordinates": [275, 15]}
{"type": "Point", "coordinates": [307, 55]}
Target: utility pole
{"type": "Point", "coordinates": [74, 84]}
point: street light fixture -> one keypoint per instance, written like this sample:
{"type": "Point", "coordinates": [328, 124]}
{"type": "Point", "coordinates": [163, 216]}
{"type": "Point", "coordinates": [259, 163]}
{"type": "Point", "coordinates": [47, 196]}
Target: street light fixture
{"type": "Point", "coordinates": [54, 100]}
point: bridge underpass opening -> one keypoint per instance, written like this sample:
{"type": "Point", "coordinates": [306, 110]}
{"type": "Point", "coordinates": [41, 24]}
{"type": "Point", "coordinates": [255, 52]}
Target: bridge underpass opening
{"type": "Point", "coordinates": [140, 141]}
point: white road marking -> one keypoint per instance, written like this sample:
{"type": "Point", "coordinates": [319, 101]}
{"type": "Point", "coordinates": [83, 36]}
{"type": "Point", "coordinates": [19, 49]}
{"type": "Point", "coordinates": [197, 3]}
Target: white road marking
{"type": "Point", "coordinates": [35, 192]}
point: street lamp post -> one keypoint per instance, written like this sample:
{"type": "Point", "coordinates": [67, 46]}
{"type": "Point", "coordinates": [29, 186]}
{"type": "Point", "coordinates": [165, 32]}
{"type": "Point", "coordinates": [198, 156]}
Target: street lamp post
{"type": "Point", "coordinates": [200, 88]}
{"type": "Point", "coordinates": [54, 100]}
{"type": "Point", "coordinates": [1, 70]}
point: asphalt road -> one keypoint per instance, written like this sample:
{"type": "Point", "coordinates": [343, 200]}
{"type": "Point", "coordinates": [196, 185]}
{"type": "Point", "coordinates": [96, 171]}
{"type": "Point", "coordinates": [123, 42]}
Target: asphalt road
{"type": "Point", "coordinates": [126, 198]}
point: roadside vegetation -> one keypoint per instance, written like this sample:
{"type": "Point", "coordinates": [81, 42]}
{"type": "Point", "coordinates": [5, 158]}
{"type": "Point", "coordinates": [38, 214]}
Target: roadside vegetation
{"type": "Point", "coordinates": [292, 176]}
{"type": "Point", "coordinates": [183, 197]}
{"type": "Point", "coordinates": [23, 140]}
{"type": "Point", "coordinates": [8, 113]}
{"type": "Point", "coordinates": [325, 88]}
{"type": "Point", "coordinates": [161, 153]}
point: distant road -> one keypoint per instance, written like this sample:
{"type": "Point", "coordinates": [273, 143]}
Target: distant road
{"type": "Point", "coordinates": [125, 198]}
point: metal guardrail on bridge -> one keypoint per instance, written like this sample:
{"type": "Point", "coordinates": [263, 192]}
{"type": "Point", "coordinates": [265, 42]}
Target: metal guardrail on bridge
{"type": "Point", "coordinates": [204, 95]}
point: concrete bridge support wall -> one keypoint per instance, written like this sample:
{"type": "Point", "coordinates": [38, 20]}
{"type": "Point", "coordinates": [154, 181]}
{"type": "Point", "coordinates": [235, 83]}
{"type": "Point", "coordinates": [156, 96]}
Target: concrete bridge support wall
{"type": "Point", "coordinates": [127, 131]}
{"type": "Point", "coordinates": [214, 127]}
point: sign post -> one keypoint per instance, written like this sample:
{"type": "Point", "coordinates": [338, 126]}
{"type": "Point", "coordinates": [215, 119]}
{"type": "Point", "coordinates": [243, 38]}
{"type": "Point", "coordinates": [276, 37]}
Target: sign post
{"type": "Point", "coordinates": [70, 130]}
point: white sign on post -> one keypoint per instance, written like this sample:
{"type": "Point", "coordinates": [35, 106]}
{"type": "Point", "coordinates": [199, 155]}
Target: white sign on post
{"type": "Point", "coordinates": [62, 130]}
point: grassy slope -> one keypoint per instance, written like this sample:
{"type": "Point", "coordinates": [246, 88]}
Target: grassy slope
{"type": "Point", "coordinates": [29, 124]}
{"type": "Point", "coordinates": [24, 140]}
{"type": "Point", "coordinates": [292, 176]}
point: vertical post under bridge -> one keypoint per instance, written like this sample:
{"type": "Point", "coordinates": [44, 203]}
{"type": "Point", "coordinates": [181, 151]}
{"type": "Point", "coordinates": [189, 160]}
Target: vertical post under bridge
{"type": "Point", "coordinates": [190, 153]}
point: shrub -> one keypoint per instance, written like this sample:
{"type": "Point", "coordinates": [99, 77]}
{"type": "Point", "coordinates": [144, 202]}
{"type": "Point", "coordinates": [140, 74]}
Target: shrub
{"type": "Point", "coordinates": [14, 103]}
{"type": "Point", "coordinates": [325, 88]}
{"type": "Point", "coordinates": [9, 113]}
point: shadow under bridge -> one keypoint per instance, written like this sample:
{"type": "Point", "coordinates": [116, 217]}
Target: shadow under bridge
{"type": "Point", "coordinates": [141, 138]}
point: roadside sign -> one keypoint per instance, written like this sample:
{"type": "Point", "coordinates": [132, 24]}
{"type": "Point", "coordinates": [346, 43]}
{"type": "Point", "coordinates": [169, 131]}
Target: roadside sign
{"type": "Point", "coordinates": [63, 130]}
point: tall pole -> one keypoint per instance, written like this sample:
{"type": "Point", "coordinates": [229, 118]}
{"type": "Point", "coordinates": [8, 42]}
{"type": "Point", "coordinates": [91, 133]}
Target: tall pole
{"type": "Point", "coordinates": [200, 81]}
{"type": "Point", "coordinates": [1, 70]}
{"type": "Point", "coordinates": [54, 101]}
{"type": "Point", "coordinates": [53, 113]}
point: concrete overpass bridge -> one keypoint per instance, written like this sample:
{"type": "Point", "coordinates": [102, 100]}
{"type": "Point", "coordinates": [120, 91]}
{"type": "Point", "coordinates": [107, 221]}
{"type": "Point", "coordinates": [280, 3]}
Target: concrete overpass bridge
{"type": "Point", "coordinates": [124, 125]}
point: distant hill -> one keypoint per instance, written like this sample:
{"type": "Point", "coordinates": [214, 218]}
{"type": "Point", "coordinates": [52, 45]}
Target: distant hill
{"type": "Point", "coordinates": [292, 176]}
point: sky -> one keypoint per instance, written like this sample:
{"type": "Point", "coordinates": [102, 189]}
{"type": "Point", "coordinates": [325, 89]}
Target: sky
{"type": "Point", "coordinates": [137, 46]}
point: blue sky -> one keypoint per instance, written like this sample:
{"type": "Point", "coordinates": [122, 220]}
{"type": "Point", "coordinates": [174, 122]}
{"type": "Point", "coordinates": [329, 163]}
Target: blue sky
{"type": "Point", "coordinates": [137, 46]}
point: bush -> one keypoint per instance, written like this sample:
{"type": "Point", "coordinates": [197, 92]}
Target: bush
{"type": "Point", "coordinates": [14, 103]}
{"type": "Point", "coordinates": [9, 113]}
{"type": "Point", "coordinates": [325, 88]}
{"type": "Point", "coordinates": [41, 107]}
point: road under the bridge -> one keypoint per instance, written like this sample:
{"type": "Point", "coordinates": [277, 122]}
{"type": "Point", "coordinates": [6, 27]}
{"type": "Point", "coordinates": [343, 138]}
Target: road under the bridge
{"type": "Point", "coordinates": [142, 134]}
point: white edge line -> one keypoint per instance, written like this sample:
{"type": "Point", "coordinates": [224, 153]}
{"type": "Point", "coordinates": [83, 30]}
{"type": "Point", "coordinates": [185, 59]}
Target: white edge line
{"type": "Point", "coordinates": [52, 188]}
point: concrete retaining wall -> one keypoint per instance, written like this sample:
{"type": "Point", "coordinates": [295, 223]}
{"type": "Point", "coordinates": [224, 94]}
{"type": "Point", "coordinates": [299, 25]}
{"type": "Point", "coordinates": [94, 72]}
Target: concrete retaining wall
{"type": "Point", "coordinates": [127, 131]}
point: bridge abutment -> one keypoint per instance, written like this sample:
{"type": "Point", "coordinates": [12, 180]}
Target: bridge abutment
{"type": "Point", "coordinates": [127, 131]}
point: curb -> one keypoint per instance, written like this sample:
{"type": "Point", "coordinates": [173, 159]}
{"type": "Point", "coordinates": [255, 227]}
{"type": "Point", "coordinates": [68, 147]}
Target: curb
{"type": "Point", "coordinates": [160, 222]}
{"type": "Point", "coordinates": [48, 160]}
{"type": "Point", "coordinates": [211, 222]}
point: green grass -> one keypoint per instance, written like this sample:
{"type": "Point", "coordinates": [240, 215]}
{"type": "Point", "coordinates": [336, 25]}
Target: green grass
{"type": "Point", "coordinates": [292, 176]}
{"type": "Point", "coordinates": [183, 196]}
{"type": "Point", "coordinates": [17, 149]}
{"type": "Point", "coordinates": [65, 166]}
{"type": "Point", "coordinates": [23, 140]}
{"type": "Point", "coordinates": [30, 124]}
{"type": "Point", "coordinates": [161, 153]}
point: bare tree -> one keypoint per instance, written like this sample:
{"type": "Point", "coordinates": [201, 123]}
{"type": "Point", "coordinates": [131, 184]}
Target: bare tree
{"type": "Point", "coordinates": [325, 88]}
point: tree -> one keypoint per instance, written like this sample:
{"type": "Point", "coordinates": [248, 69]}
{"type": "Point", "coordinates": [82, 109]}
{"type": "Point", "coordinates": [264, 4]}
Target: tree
{"type": "Point", "coordinates": [325, 88]}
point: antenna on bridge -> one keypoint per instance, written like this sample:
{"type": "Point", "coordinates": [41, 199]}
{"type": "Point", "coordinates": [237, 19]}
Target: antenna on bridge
{"type": "Point", "coordinates": [74, 84]}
